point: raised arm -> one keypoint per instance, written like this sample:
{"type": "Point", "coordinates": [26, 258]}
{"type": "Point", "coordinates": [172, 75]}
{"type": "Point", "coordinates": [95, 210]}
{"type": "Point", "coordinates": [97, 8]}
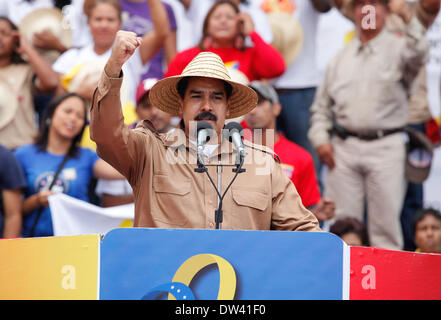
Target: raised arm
{"type": "Point", "coordinates": [116, 143]}
{"type": "Point", "coordinates": [427, 11]}
{"type": "Point", "coordinates": [153, 41]}
{"type": "Point", "coordinates": [416, 51]}
{"type": "Point", "coordinates": [267, 61]}
{"type": "Point", "coordinates": [47, 78]}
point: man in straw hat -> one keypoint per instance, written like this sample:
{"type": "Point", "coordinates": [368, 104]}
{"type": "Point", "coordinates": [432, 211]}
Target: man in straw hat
{"type": "Point", "coordinates": [363, 100]}
{"type": "Point", "coordinates": [160, 167]}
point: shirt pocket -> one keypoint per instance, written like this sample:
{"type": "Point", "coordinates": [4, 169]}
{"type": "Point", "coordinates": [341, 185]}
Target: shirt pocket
{"type": "Point", "coordinates": [172, 200]}
{"type": "Point", "coordinates": [255, 199]}
{"type": "Point", "coordinates": [251, 209]}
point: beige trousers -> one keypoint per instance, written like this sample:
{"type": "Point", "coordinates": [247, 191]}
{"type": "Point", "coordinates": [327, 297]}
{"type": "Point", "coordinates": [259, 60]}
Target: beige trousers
{"type": "Point", "coordinates": [371, 171]}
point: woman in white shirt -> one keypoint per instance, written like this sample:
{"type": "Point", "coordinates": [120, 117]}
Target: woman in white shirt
{"type": "Point", "coordinates": [104, 19]}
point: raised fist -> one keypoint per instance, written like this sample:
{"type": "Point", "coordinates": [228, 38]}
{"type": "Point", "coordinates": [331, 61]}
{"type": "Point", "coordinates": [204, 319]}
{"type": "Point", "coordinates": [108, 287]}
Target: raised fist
{"type": "Point", "coordinates": [401, 8]}
{"type": "Point", "coordinates": [124, 46]}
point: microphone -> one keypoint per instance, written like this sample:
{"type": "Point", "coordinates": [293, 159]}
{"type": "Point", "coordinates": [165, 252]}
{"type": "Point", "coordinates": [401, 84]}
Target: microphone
{"type": "Point", "coordinates": [234, 133]}
{"type": "Point", "coordinates": [204, 130]}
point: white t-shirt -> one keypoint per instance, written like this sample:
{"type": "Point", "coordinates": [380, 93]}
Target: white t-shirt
{"type": "Point", "coordinates": [113, 187]}
{"type": "Point", "coordinates": [77, 19]}
{"type": "Point", "coordinates": [16, 10]}
{"type": "Point", "coordinates": [184, 26]}
{"type": "Point", "coordinates": [133, 68]}
{"type": "Point", "coordinates": [303, 73]}
{"type": "Point", "coordinates": [199, 8]}
{"type": "Point", "coordinates": [332, 30]}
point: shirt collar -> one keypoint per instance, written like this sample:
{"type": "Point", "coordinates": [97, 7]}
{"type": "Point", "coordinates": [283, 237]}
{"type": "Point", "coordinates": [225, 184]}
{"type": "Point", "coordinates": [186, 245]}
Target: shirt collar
{"type": "Point", "coordinates": [176, 139]}
{"type": "Point", "coordinates": [372, 45]}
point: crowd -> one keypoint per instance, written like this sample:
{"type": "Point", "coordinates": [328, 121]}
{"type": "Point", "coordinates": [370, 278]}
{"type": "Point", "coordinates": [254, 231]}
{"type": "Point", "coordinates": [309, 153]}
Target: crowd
{"type": "Point", "coordinates": [356, 138]}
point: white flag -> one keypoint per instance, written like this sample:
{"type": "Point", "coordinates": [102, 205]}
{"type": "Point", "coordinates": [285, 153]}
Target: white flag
{"type": "Point", "coordinates": [71, 216]}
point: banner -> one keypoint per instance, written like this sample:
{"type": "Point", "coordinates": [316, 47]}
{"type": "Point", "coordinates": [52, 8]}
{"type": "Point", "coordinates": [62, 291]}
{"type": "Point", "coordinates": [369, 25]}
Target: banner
{"type": "Point", "coordinates": [52, 268]}
{"type": "Point", "coordinates": [71, 216]}
{"type": "Point", "coordinates": [381, 274]}
{"type": "Point", "coordinates": [181, 264]}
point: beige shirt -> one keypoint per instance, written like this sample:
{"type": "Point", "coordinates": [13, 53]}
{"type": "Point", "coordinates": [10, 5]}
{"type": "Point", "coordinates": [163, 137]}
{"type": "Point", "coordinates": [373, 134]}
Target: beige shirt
{"type": "Point", "coordinates": [169, 194]}
{"type": "Point", "coordinates": [366, 86]}
{"type": "Point", "coordinates": [22, 128]}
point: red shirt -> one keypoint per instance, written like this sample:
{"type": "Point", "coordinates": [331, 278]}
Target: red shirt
{"type": "Point", "coordinates": [297, 164]}
{"type": "Point", "coordinates": [261, 61]}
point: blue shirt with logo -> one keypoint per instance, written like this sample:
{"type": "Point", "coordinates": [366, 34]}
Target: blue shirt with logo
{"type": "Point", "coordinates": [40, 167]}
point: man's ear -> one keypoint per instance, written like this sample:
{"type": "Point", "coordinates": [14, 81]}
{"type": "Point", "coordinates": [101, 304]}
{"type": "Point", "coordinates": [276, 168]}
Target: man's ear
{"type": "Point", "coordinates": [227, 112]}
{"type": "Point", "coordinates": [277, 108]}
{"type": "Point", "coordinates": [181, 107]}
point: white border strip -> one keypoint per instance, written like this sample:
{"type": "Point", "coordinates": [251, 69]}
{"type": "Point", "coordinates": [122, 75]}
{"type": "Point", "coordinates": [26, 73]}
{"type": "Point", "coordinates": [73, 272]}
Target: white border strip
{"type": "Point", "coordinates": [98, 271]}
{"type": "Point", "coordinates": [346, 270]}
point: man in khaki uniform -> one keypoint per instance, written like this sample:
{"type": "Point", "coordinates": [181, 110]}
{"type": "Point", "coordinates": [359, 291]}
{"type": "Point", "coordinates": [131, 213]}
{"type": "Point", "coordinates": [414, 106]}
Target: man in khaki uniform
{"type": "Point", "coordinates": [364, 100]}
{"type": "Point", "coordinates": [419, 111]}
{"type": "Point", "coordinates": [160, 167]}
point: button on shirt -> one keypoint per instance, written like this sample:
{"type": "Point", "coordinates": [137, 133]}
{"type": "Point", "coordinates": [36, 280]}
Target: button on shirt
{"type": "Point", "coordinates": [366, 86]}
{"type": "Point", "coordinates": [169, 194]}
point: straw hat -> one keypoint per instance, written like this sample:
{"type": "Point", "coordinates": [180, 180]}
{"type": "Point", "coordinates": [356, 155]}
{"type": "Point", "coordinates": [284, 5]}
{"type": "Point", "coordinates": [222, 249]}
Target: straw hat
{"type": "Point", "coordinates": [46, 19]}
{"type": "Point", "coordinates": [90, 72]}
{"type": "Point", "coordinates": [287, 34]}
{"type": "Point", "coordinates": [419, 156]}
{"type": "Point", "coordinates": [8, 104]}
{"type": "Point", "coordinates": [164, 94]}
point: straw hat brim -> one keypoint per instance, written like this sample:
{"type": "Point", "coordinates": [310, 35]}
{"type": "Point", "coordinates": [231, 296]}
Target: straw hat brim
{"type": "Point", "coordinates": [164, 95]}
{"type": "Point", "coordinates": [46, 19]}
{"type": "Point", "coordinates": [288, 35]}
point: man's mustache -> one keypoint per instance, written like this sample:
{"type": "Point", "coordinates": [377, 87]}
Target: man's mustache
{"type": "Point", "coordinates": [206, 115]}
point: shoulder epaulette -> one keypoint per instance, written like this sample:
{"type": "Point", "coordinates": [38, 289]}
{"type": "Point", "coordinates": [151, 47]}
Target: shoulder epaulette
{"type": "Point", "coordinates": [262, 149]}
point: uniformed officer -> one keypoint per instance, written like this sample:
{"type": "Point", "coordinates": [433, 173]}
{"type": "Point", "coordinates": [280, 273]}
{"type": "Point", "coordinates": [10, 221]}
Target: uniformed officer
{"type": "Point", "coordinates": [160, 167]}
{"type": "Point", "coordinates": [363, 100]}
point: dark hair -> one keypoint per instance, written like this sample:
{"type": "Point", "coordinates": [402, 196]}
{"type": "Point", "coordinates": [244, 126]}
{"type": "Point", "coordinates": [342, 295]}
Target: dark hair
{"type": "Point", "coordinates": [93, 4]}
{"type": "Point", "coordinates": [42, 138]}
{"type": "Point", "coordinates": [205, 34]}
{"type": "Point", "coordinates": [350, 225]}
{"type": "Point", "coordinates": [15, 57]}
{"type": "Point", "coordinates": [182, 85]}
{"type": "Point", "coordinates": [384, 2]}
{"type": "Point", "coordinates": [421, 213]}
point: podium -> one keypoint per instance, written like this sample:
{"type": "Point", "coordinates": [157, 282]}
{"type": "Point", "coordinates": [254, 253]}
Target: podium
{"type": "Point", "coordinates": [223, 264]}
{"type": "Point", "coordinates": [185, 264]}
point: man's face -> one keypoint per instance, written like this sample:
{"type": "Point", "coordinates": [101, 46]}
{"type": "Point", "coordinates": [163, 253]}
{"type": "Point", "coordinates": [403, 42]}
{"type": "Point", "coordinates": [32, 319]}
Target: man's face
{"type": "Point", "coordinates": [159, 118]}
{"type": "Point", "coordinates": [263, 116]}
{"type": "Point", "coordinates": [7, 39]}
{"type": "Point", "coordinates": [205, 99]}
{"type": "Point", "coordinates": [364, 10]}
{"type": "Point", "coordinates": [428, 234]}
{"type": "Point", "coordinates": [104, 23]}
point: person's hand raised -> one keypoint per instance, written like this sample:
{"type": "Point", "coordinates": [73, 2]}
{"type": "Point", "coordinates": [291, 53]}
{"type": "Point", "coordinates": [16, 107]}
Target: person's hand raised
{"type": "Point", "coordinates": [401, 8]}
{"type": "Point", "coordinates": [246, 24]}
{"type": "Point", "coordinates": [123, 48]}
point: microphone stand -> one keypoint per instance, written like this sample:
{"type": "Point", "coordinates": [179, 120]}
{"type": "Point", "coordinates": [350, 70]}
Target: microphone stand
{"type": "Point", "coordinates": [218, 213]}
